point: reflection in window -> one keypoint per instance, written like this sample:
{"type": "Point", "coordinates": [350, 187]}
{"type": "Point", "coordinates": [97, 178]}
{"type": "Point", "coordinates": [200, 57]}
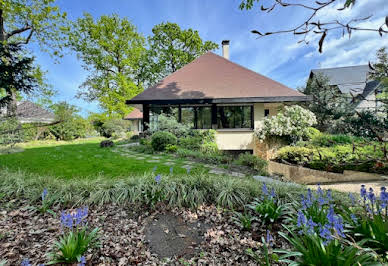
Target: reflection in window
{"type": "Point", "coordinates": [187, 116]}
{"type": "Point", "coordinates": [204, 117]}
{"type": "Point", "coordinates": [234, 116]}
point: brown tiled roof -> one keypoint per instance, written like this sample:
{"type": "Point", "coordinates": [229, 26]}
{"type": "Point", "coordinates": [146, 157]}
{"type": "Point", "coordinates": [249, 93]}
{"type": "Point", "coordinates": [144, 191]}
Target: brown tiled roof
{"type": "Point", "coordinates": [135, 114]}
{"type": "Point", "coordinates": [29, 112]}
{"type": "Point", "coordinates": [211, 76]}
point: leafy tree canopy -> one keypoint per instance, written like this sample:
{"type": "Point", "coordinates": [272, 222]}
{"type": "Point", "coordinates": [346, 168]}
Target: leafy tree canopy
{"type": "Point", "coordinates": [379, 71]}
{"type": "Point", "coordinates": [23, 21]}
{"type": "Point", "coordinates": [111, 50]}
{"type": "Point", "coordinates": [172, 47]}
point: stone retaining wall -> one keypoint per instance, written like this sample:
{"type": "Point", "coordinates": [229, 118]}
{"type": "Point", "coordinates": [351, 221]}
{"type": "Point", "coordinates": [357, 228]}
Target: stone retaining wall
{"type": "Point", "coordinates": [304, 175]}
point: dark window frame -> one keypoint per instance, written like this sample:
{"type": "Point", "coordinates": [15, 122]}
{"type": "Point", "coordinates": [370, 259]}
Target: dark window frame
{"type": "Point", "coordinates": [235, 110]}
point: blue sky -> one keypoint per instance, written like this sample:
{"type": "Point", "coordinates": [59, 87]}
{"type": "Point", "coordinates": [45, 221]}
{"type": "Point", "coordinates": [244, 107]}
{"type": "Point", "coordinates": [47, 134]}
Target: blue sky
{"type": "Point", "coordinates": [278, 57]}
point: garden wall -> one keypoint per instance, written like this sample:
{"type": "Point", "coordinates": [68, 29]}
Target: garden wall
{"type": "Point", "coordinates": [302, 175]}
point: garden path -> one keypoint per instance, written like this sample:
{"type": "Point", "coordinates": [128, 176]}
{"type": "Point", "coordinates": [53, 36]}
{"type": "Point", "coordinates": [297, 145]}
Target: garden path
{"type": "Point", "coordinates": [354, 187]}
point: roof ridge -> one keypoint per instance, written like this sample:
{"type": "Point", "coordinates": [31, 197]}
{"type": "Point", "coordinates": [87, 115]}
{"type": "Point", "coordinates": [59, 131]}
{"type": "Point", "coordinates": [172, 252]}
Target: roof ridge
{"type": "Point", "coordinates": [338, 67]}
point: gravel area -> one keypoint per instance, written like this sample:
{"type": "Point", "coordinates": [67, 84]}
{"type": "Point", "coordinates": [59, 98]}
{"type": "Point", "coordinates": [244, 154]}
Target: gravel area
{"type": "Point", "coordinates": [354, 186]}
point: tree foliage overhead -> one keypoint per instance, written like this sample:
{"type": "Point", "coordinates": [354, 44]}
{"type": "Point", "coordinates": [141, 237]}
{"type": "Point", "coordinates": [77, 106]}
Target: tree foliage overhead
{"type": "Point", "coordinates": [379, 71]}
{"type": "Point", "coordinates": [311, 24]}
{"type": "Point", "coordinates": [40, 21]}
{"type": "Point", "coordinates": [111, 50]}
{"type": "Point", "coordinates": [171, 47]}
{"type": "Point", "coordinates": [16, 75]}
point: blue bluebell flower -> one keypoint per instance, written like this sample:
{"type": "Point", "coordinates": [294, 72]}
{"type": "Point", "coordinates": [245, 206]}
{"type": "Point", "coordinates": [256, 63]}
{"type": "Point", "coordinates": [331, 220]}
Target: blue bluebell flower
{"type": "Point", "coordinates": [363, 192]}
{"type": "Point", "coordinates": [311, 226]}
{"type": "Point", "coordinates": [353, 217]}
{"type": "Point", "coordinates": [339, 226]}
{"type": "Point", "coordinates": [158, 178]}
{"type": "Point", "coordinates": [188, 170]}
{"type": "Point", "coordinates": [269, 239]}
{"type": "Point", "coordinates": [66, 220]}
{"type": "Point", "coordinates": [154, 169]}
{"type": "Point", "coordinates": [82, 261]}
{"type": "Point", "coordinates": [352, 199]}
{"type": "Point", "coordinates": [325, 233]}
{"type": "Point", "coordinates": [25, 262]}
{"type": "Point", "coordinates": [44, 194]}
{"type": "Point", "coordinates": [171, 170]}
{"type": "Point", "coordinates": [301, 221]}
{"type": "Point", "coordinates": [371, 196]}
{"type": "Point", "coordinates": [273, 194]}
{"type": "Point", "coordinates": [331, 215]}
{"type": "Point", "coordinates": [329, 195]}
{"type": "Point", "coordinates": [265, 189]}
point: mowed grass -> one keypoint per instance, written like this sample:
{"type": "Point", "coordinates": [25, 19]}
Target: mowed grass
{"type": "Point", "coordinates": [85, 158]}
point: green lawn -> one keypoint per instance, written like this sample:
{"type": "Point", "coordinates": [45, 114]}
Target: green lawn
{"type": "Point", "coordinates": [84, 158]}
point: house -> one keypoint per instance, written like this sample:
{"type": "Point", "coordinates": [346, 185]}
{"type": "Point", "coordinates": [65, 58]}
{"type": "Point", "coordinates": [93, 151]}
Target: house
{"type": "Point", "coordinates": [136, 120]}
{"type": "Point", "coordinates": [29, 112]}
{"type": "Point", "coordinates": [214, 93]}
{"type": "Point", "coordinates": [353, 82]}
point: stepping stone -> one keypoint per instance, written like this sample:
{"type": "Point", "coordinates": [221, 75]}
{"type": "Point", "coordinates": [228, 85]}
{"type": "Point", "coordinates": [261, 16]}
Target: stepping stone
{"type": "Point", "coordinates": [237, 174]}
{"type": "Point", "coordinates": [217, 171]}
{"type": "Point", "coordinates": [265, 179]}
{"type": "Point", "coordinates": [187, 167]}
{"type": "Point", "coordinates": [156, 157]}
{"type": "Point", "coordinates": [153, 161]}
{"type": "Point", "coordinates": [98, 155]}
{"type": "Point", "coordinates": [139, 158]}
{"type": "Point", "coordinates": [129, 144]}
{"type": "Point", "coordinates": [169, 163]}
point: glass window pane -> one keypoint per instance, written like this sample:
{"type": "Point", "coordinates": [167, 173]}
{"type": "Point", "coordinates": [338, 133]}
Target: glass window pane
{"type": "Point", "coordinates": [247, 122]}
{"type": "Point", "coordinates": [204, 119]}
{"type": "Point", "coordinates": [188, 116]}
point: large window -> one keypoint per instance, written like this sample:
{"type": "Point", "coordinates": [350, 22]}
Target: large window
{"type": "Point", "coordinates": [199, 117]}
{"type": "Point", "coordinates": [234, 116]}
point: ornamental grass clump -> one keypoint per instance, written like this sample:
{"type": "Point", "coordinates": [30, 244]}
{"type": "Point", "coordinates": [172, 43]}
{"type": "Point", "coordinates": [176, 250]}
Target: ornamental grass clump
{"type": "Point", "coordinates": [76, 239]}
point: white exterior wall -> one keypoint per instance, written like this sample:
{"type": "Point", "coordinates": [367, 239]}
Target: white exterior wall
{"type": "Point", "coordinates": [240, 139]}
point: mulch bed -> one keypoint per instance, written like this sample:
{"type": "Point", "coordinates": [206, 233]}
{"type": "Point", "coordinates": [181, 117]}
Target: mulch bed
{"type": "Point", "coordinates": [128, 236]}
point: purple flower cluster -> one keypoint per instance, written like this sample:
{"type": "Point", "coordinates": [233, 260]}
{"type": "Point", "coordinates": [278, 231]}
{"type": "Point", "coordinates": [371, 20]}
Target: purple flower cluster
{"type": "Point", "coordinates": [74, 219]}
{"type": "Point", "coordinates": [269, 239]}
{"type": "Point", "coordinates": [319, 201]}
{"type": "Point", "coordinates": [374, 204]}
{"type": "Point", "coordinates": [25, 262]}
{"type": "Point", "coordinates": [44, 194]}
{"type": "Point", "coordinates": [158, 178]}
{"type": "Point", "coordinates": [82, 261]}
{"type": "Point", "coordinates": [267, 194]}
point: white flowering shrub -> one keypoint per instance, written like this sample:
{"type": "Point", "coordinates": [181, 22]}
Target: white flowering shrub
{"type": "Point", "coordinates": [292, 122]}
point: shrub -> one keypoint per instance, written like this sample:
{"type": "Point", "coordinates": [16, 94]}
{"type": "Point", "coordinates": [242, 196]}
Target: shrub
{"type": "Point", "coordinates": [171, 148]}
{"type": "Point", "coordinates": [252, 161]}
{"type": "Point", "coordinates": [106, 143]}
{"type": "Point", "coordinates": [312, 133]}
{"type": "Point", "coordinates": [161, 139]}
{"type": "Point", "coordinates": [115, 128]}
{"type": "Point", "coordinates": [209, 148]}
{"type": "Point", "coordinates": [10, 131]}
{"type": "Point", "coordinates": [191, 143]}
{"type": "Point", "coordinates": [169, 124]}
{"type": "Point", "coordinates": [292, 123]}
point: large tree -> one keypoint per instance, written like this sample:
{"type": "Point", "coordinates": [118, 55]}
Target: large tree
{"type": "Point", "coordinates": [26, 21]}
{"type": "Point", "coordinates": [16, 75]}
{"type": "Point", "coordinates": [111, 50]}
{"type": "Point", "coordinates": [312, 23]}
{"type": "Point", "coordinates": [379, 71]}
{"type": "Point", "coordinates": [171, 47]}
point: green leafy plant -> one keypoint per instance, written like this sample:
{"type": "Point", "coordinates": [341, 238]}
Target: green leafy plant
{"type": "Point", "coordinates": [161, 139]}
{"type": "Point", "coordinates": [76, 239]}
{"type": "Point", "coordinates": [311, 249]}
{"type": "Point", "coordinates": [47, 202]}
{"type": "Point", "coordinates": [73, 245]}
{"type": "Point", "coordinates": [171, 148]}
{"type": "Point", "coordinates": [243, 220]}
{"type": "Point", "coordinates": [252, 161]}
{"type": "Point", "coordinates": [268, 207]}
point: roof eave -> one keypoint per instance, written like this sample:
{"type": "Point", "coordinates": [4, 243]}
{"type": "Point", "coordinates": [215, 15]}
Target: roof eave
{"type": "Point", "coordinates": [273, 99]}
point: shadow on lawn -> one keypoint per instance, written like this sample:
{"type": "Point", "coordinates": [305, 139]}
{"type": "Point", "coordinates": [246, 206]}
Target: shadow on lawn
{"type": "Point", "coordinates": [82, 160]}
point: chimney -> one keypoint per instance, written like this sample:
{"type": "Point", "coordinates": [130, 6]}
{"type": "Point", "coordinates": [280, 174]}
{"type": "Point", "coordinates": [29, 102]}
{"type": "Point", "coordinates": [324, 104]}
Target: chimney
{"type": "Point", "coordinates": [225, 49]}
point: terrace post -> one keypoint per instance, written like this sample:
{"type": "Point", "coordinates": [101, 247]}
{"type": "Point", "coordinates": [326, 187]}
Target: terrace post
{"type": "Point", "coordinates": [146, 116]}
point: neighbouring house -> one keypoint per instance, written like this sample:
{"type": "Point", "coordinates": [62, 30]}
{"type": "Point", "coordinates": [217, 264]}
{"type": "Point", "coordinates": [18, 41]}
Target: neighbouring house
{"type": "Point", "coordinates": [214, 93]}
{"type": "Point", "coordinates": [353, 82]}
{"type": "Point", "coordinates": [136, 120]}
{"type": "Point", "coordinates": [29, 112]}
